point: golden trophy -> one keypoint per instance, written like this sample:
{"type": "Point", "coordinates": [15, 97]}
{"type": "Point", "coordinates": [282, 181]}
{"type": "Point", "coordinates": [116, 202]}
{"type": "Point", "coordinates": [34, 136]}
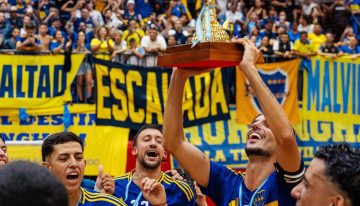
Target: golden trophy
{"type": "Point", "coordinates": [211, 45]}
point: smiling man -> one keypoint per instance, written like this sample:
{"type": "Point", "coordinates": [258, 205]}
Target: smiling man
{"type": "Point", "coordinates": [4, 159]}
{"type": "Point", "coordinates": [149, 154]}
{"type": "Point", "coordinates": [274, 166]}
{"type": "Point", "coordinates": [62, 154]}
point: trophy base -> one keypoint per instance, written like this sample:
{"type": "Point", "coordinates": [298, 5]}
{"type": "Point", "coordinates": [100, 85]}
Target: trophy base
{"type": "Point", "coordinates": [203, 55]}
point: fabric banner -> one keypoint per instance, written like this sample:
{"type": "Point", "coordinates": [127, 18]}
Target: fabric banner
{"type": "Point", "coordinates": [281, 78]}
{"type": "Point", "coordinates": [36, 81]}
{"type": "Point", "coordinates": [104, 145]}
{"type": "Point", "coordinates": [331, 103]}
{"type": "Point", "coordinates": [130, 96]}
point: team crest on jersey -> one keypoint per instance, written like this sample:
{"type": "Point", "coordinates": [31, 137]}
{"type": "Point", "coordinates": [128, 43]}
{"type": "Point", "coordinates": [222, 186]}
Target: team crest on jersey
{"type": "Point", "coordinates": [277, 81]}
{"type": "Point", "coordinates": [259, 199]}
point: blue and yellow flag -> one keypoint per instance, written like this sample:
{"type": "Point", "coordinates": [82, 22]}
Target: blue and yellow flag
{"type": "Point", "coordinates": [281, 78]}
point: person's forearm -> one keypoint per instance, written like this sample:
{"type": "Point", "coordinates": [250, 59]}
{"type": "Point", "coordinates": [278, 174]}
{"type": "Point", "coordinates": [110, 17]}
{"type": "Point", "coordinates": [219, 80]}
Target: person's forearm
{"type": "Point", "coordinates": [173, 113]}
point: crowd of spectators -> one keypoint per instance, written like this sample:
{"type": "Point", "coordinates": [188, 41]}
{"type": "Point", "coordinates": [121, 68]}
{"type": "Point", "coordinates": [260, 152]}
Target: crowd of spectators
{"type": "Point", "coordinates": [136, 31]}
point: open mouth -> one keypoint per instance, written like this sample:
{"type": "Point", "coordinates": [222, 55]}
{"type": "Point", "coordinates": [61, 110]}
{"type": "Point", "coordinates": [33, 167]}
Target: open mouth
{"type": "Point", "coordinates": [72, 176]}
{"type": "Point", "coordinates": [152, 153]}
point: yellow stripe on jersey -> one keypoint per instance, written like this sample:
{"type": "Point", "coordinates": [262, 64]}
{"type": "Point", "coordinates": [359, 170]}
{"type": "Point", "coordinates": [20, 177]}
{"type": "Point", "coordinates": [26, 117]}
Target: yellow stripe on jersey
{"type": "Point", "coordinates": [182, 185]}
{"type": "Point", "coordinates": [234, 202]}
{"type": "Point", "coordinates": [275, 203]}
{"type": "Point", "coordinates": [125, 176]}
{"type": "Point", "coordinates": [93, 197]}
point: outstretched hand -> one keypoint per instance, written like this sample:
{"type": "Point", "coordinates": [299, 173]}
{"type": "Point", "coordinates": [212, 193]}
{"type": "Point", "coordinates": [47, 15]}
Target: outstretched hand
{"type": "Point", "coordinates": [153, 191]}
{"type": "Point", "coordinates": [251, 53]}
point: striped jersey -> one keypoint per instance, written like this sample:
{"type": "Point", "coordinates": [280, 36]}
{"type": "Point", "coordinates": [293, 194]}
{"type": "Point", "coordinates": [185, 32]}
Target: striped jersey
{"type": "Point", "coordinates": [177, 192]}
{"type": "Point", "coordinates": [226, 186]}
{"type": "Point", "coordinates": [92, 198]}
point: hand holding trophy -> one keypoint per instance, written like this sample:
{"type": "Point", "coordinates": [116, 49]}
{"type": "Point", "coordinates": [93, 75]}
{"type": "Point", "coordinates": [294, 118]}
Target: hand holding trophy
{"type": "Point", "coordinates": [211, 45]}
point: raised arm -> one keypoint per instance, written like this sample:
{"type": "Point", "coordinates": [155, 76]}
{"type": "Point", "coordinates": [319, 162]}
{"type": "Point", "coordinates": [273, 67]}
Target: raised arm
{"type": "Point", "coordinates": [189, 156]}
{"type": "Point", "coordinates": [287, 153]}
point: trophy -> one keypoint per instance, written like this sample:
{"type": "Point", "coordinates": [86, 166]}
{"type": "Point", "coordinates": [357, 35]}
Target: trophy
{"type": "Point", "coordinates": [211, 45]}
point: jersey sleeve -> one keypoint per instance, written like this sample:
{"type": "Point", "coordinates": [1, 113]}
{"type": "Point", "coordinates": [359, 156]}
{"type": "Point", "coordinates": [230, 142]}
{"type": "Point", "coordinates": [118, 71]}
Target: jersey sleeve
{"type": "Point", "coordinates": [223, 184]}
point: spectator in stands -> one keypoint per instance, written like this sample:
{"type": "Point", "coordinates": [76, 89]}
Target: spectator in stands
{"type": "Point", "coordinates": [56, 25]}
{"type": "Point", "coordinates": [345, 37]}
{"type": "Point", "coordinates": [252, 23]}
{"type": "Point", "coordinates": [259, 10]}
{"type": "Point", "coordinates": [304, 50]}
{"type": "Point", "coordinates": [59, 44]}
{"type": "Point", "coordinates": [340, 13]}
{"type": "Point", "coordinates": [171, 40]}
{"type": "Point", "coordinates": [282, 21]}
{"type": "Point", "coordinates": [43, 37]}
{"type": "Point", "coordinates": [111, 20]}
{"type": "Point", "coordinates": [119, 47]}
{"type": "Point", "coordinates": [130, 12]}
{"type": "Point", "coordinates": [144, 7]}
{"type": "Point", "coordinates": [268, 31]}
{"type": "Point", "coordinates": [54, 15]}
{"type": "Point", "coordinates": [355, 16]}
{"type": "Point", "coordinates": [94, 14]}
{"type": "Point", "coordinates": [179, 32]}
{"type": "Point", "coordinates": [135, 54]}
{"type": "Point", "coordinates": [15, 20]}
{"type": "Point", "coordinates": [317, 38]}
{"type": "Point", "coordinates": [294, 33]}
{"type": "Point", "coordinates": [153, 44]}
{"type": "Point", "coordinates": [351, 48]}
{"type": "Point", "coordinates": [102, 44]}
{"type": "Point", "coordinates": [44, 6]}
{"type": "Point", "coordinates": [332, 178]}
{"type": "Point", "coordinates": [84, 73]}
{"type": "Point", "coordinates": [328, 48]}
{"type": "Point", "coordinates": [20, 5]}
{"type": "Point", "coordinates": [176, 8]}
{"type": "Point", "coordinates": [309, 7]}
{"type": "Point", "coordinates": [283, 48]}
{"type": "Point", "coordinates": [10, 43]}
{"type": "Point", "coordinates": [26, 183]}
{"type": "Point", "coordinates": [235, 17]}
{"type": "Point", "coordinates": [305, 24]}
{"type": "Point", "coordinates": [28, 42]}
{"type": "Point", "coordinates": [265, 47]}
{"type": "Point", "coordinates": [133, 32]}
{"type": "Point", "coordinates": [5, 28]}
{"type": "Point", "coordinates": [282, 5]}
{"type": "Point", "coordinates": [4, 159]}
{"type": "Point", "coordinates": [85, 17]}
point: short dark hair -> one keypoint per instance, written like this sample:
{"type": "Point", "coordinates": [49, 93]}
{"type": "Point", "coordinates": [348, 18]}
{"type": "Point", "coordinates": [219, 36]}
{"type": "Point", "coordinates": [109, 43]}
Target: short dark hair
{"type": "Point", "coordinates": [2, 138]}
{"type": "Point", "coordinates": [144, 127]}
{"type": "Point", "coordinates": [303, 32]}
{"type": "Point", "coordinates": [29, 26]}
{"type": "Point", "coordinates": [58, 138]}
{"type": "Point", "coordinates": [26, 183]}
{"type": "Point", "coordinates": [343, 167]}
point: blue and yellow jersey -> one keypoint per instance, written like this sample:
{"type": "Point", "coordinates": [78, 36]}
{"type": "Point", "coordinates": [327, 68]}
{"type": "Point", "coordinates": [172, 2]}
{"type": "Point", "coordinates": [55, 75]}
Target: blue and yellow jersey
{"type": "Point", "coordinates": [91, 198]}
{"type": "Point", "coordinates": [177, 192]}
{"type": "Point", "coordinates": [226, 186]}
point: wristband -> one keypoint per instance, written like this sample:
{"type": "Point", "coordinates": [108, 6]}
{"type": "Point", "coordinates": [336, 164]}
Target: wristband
{"type": "Point", "coordinates": [164, 204]}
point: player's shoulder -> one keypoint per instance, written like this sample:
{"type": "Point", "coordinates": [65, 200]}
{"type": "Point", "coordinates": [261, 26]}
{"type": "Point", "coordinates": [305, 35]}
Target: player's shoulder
{"type": "Point", "coordinates": [104, 199]}
{"type": "Point", "coordinates": [178, 185]}
{"type": "Point", "coordinates": [123, 178]}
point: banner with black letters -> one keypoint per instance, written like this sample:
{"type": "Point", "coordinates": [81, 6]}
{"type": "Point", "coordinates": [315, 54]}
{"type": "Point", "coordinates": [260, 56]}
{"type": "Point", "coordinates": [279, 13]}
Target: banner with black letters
{"type": "Point", "coordinates": [130, 96]}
